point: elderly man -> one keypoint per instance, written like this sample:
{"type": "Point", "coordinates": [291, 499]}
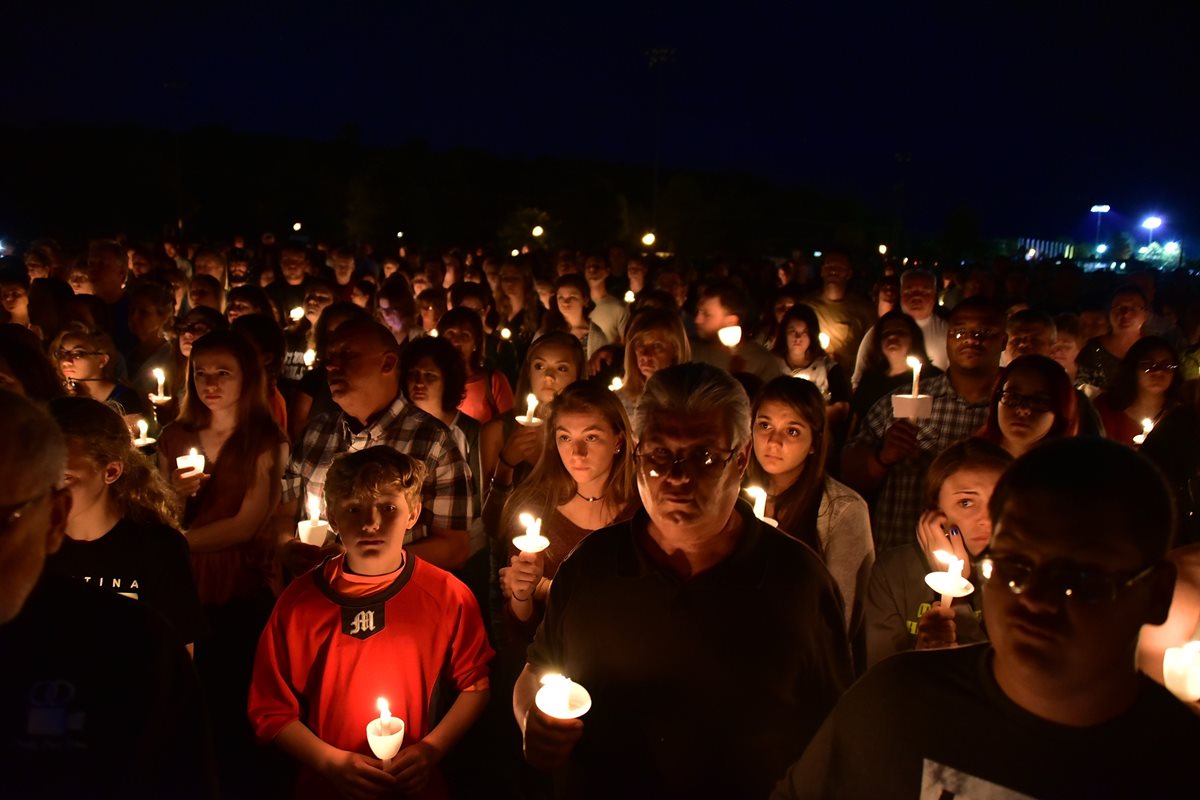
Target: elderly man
{"type": "Point", "coordinates": [918, 298]}
{"type": "Point", "coordinates": [890, 456]}
{"type": "Point", "coordinates": [1054, 704]}
{"type": "Point", "coordinates": [711, 644]}
{"type": "Point", "coordinates": [363, 365]}
{"type": "Point", "coordinates": [99, 696]}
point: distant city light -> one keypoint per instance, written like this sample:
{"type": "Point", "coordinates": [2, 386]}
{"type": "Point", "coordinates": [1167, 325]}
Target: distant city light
{"type": "Point", "coordinates": [883, 249]}
{"type": "Point", "coordinates": [817, 253]}
{"type": "Point", "coordinates": [399, 234]}
{"type": "Point", "coordinates": [515, 252]}
{"type": "Point", "coordinates": [1143, 250]}
{"type": "Point", "coordinates": [649, 239]}
{"type": "Point", "coordinates": [1101, 209]}
{"type": "Point", "coordinates": [537, 231]}
{"type": "Point", "coordinates": [296, 226]}
{"type": "Point", "coordinates": [1101, 249]}
{"type": "Point", "coordinates": [1171, 248]}
{"type": "Point", "coordinates": [1031, 254]}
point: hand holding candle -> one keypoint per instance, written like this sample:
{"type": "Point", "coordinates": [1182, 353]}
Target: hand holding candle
{"type": "Point", "coordinates": [532, 540]}
{"type": "Point", "coordinates": [916, 405]}
{"type": "Point", "coordinates": [193, 461]}
{"type": "Point", "coordinates": [951, 583]}
{"type": "Point", "coordinates": [385, 734]}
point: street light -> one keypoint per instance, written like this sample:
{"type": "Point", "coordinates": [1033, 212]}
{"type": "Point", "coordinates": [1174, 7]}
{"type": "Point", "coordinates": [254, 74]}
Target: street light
{"type": "Point", "coordinates": [1101, 249]}
{"type": "Point", "coordinates": [1151, 224]}
{"type": "Point", "coordinates": [1099, 211]}
{"type": "Point", "coordinates": [537, 231]}
{"type": "Point", "coordinates": [649, 239]}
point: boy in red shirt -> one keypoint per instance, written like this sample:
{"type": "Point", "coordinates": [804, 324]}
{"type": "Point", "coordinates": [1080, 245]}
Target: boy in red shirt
{"type": "Point", "coordinates": [374, 622]}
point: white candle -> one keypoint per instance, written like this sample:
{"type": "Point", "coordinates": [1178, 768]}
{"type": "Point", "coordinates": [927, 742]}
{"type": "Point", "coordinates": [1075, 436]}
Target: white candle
{"type": "Point", "coordinates": [824, 339]}
{"type": "Point", "coordinates": [297, 313]}
{"type": "Point", "coordinates": [562, 698]}
{"type": "Point", "coordinates": [1181, 671]}
{"type": "Point", "coordinates": [950, 584]}
{"type": "Point", "coordinates": [385, 734]}
{"type": "Point", "coordinates": [616, 385]}
{"type": "Point", "coordinates": [532, 540]}
{"type": "Point", "coordinates": [143, 428]}
{"type": "Point", "coordinates": [1147, 426]}
{"type": "Point", "coordinates": [914, 364]}
{"type": "Point", "coordinates": [161, 377]}
{"type": "Point", "coordinates": [759, 495]}
{"type": "Point", "coordinates": [194, 461]}
{"type": "Point", "coordinates": [314, 529]}
{"type": "Point", "coordinates": [730, 336]}
{"type": "Point", "coordinates": [528, 419]}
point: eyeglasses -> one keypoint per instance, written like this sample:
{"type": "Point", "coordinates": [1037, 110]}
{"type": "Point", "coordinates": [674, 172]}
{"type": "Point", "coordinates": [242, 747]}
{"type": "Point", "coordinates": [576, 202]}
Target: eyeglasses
{"type": "Point", "coordinates": [1074, 583]}
{"type": "Point", "coordinates": [978, 334]}
{"type": "Point", "coordinates": [1157, 366]}
{"type": "Point", "coordinates": [75, 355]}
{"type": "Point", "coordinates": [1036, 403]}
{"type": "Point", "coordinates": [660, 462]}
{"type": "Point", "coordinates": [10, 516]}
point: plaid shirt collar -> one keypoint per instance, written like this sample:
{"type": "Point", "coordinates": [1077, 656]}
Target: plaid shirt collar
{"type": "Point", "coordinates": [353, 431]}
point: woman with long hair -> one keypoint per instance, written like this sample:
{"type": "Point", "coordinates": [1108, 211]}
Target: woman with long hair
{"type": "Point", "coordinates": [488, 392]}
{"type": "Point", "coordinates": [570, 307]}
{"type": "Point", "coordinates": [197, 322]}
{"type": "Point", "coordinates": [886, 367]}
{"type": "Point", "coordinates": [87, 361]}
{"type": "Point", "coordinates": [517, 303]}
{"type": "Point", "coordinates": [1147, 385]}
{"type": "Point", "coordinates": [225, 417]}
{"type": "Point", "coordinates": [655, 339]}
{"type": "Point", "coordinates": [122, 531]}
{"type": "Point", "coordinates": [583, 481]}
{"type": "Point", "coordinates": [798, 347]}
{"type": "Point", "coordinates": [791, 445]}
{"type": "Point", "coordinates": [1033, 402]}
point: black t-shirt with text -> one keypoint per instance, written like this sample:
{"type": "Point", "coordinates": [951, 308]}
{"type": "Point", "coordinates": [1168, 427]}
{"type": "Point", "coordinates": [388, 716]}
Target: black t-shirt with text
{"type": "Point", "coordinates": [147, 562]}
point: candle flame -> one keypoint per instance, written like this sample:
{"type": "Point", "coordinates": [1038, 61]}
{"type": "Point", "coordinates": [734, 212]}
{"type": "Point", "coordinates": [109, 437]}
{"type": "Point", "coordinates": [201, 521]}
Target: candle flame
{"type": "Point", "coordinates": [296, 313]}
{"type": "Point", "coordinates": [756, 491]}
{"type": "Point", "coordinates": [629, 296]}
{"type": "Point", "coordinates": [434, 333]}
{"type": "Point", "coordinates": [505, 334]}
{"type": "Point", "coordinates": [525, 518]}
{"type": "Point", "coordinates": [531, 402]}
{"type": "Point", "coordinates": [385, 713]}
{"type": "Point", "coordinates": [193, 452]}
{"type": "Point", "coordinates": [616, 384]}
{"type": "Point", "coordinates": [944, 557]}
{"type": "Point", "coordinates": [314, 507]}
{"type": "Point", "coordinates": [730, 336]}
{"type": "Point", "coordinates": [551, 678]}
{"type": "Point", "coordinates": [1147, 425]}
{"type": "Point", "coordinates": [310, 357]}
{"type": "Point", "coordinates": [143, 428]}
{"type": "Point", "coordinates": [824, 339]}
{"type": "Point", "coordinates": [159, 375]}
{"type": "Point", "coordinates": [913, 362]}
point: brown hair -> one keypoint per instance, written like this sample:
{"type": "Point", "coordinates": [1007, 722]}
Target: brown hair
{"type": "Point", "coordinates": [374, 471]}
{"type": "Point", "coordinates": [648, 321]}
{"type": "Point", "coordinates": [973, 453]}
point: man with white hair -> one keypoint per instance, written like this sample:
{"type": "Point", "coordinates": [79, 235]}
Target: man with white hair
{"type": "Point", "coordinates": [712, 644]}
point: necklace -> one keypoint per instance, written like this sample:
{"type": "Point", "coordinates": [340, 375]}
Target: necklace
{"type": "Point", "coordinates": [588, 499]}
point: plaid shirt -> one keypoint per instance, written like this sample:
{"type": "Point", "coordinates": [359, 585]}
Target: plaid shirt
{"type": "Point", "coordinates": [899, 505]}
{"type": "Point", "coordinates": [447, 499]}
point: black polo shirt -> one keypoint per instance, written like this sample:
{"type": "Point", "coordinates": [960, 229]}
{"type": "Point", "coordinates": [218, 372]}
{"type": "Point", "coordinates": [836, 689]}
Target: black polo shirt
{"type": "Point", "coordinates": [704, 686]}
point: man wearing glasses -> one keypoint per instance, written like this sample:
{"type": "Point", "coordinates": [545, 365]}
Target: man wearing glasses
{"type": "Point", "coordinates": [1054, 703]}
{"type": "Point", "coordinates": [712, 645]}
{"type": "Point", "coordinates": [888, 457]}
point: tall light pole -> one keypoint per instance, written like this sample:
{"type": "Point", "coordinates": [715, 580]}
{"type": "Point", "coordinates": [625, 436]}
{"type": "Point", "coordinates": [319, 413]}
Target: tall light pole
{"type": "Point", "coordinates": [1099, 211]}
{"type": "Point", "coordinates": [1151, 224]}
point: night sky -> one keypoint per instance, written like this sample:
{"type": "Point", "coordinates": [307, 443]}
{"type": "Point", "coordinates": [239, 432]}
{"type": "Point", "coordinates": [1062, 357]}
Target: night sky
{"type": "Point", "coordinates": [1028, 115]}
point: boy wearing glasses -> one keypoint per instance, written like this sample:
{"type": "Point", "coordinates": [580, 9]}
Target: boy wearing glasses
{"type": "Point", "coordinates": [1054, 704]}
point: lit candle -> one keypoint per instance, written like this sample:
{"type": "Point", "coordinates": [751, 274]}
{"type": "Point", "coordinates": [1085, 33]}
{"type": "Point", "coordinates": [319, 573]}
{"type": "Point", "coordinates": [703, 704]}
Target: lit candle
{"type": "Point", "coordinates": [730, 336]}
{"type": "Point", "coordinates": [1147, 426]}
{"type": "Point", "coordinates": [310, 358]}
{"type": "Point", "coordinates": [505, 334]}
{"type": "Point", "coordinates": [385, 734]}
{"type": "Point", "coordinates": [142, 439]}
{"type": "Point", "coordinates": [824, 339]}
{"type": "Point", "coordinates": [193, 461]}
{"type": "Point", "coordinates": [433, 332]}
{"type": "Point", "coordinates": [914, 364]}
{"type": "Point", "coordinates": [1181, 671]}
{"type": "Point", "coordinates": [159, 397]}
{"type": "Point", "coordinates": [951, 583]}
{"type": "Point", "coordinates": [532, 540]}
{"type": "Point", "coordinates": [616, 385]}
{"type": "Point", "coordinates": [562, 698]}
{"type": "Point", "coordinates": [297, 313]}
{"type": "Point", "coordinates": [759, 495]}
{"type": "Point", "coordinates": [528, 419]}
{"type": "Point", "coordinates": [629, 296]}
{"type": "Point", "coordinates": [314, 529]}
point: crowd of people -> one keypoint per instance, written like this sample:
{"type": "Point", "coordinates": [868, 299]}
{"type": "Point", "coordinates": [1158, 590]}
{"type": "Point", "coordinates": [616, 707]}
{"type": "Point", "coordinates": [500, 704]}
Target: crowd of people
{"type": "Point", "coordinates": [310, 466]}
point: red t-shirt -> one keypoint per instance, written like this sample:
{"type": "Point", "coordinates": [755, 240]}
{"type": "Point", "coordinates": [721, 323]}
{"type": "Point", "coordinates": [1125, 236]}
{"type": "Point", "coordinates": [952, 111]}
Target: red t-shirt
{"type": "Point", "coordinates": [326, 657]}
{"type": "Point", "coordinates": [477, 404]}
